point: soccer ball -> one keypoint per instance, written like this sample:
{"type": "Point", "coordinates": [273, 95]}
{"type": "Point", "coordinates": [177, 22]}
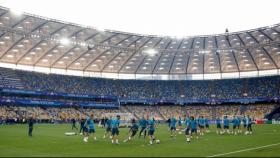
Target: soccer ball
{"type": "Point", "coordinates": [157, 141]}
{"type": "Point", "coordinates": [85, 140]}
{"type": "Point", "coordinates": [180, 132]}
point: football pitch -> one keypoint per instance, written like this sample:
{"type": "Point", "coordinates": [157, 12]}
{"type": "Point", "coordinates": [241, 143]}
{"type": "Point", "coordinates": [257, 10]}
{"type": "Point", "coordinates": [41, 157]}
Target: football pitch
{"type": "Point", "coordinates": [49, 140]}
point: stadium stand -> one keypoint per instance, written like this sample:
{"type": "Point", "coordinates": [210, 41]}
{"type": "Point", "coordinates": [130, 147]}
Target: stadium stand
{"type": "Point", "coordinates": [50, 114]}
{"type": "Point", "coordinates": [264, 87]}
{"type": "Point", "coordinates": [226, 89]}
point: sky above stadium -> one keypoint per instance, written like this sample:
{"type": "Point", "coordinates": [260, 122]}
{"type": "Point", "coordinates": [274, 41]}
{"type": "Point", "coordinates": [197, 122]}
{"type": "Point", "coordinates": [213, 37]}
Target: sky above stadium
{"type": "Point", "coordinates": [157, 17]}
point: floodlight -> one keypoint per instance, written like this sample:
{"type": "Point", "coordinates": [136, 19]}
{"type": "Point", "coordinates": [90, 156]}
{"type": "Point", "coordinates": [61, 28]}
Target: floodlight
{"type": "Point", "coordinates": [16, 12]}
{"type": "Point", "coordinates": [151, 52]}
{"type": "Point", "coordinates": [64, 41]}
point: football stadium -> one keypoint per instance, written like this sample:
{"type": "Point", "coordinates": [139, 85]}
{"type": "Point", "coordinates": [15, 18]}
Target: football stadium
{"type": "Point", "coordinates": [73, 90]}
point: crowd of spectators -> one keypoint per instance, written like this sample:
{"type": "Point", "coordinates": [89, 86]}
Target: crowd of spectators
{"type": "Point", "coordinates": [12, 114]}
{"type": "Point", "coordinates": [143, 89]}
{"type": "Point", "coordinates": [224, 89]}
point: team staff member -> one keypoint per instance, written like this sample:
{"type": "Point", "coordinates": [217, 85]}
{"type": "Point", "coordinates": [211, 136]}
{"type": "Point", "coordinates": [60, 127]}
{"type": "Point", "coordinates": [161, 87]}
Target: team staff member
{"type": "Point", "coordinates": [31, 122]}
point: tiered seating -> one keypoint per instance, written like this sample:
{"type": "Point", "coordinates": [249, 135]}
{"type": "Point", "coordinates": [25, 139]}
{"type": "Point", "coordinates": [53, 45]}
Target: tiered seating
{"type": "Point", "coordinates": [9, 78]}
{"type": "Point", "coordinates": [66, 114]}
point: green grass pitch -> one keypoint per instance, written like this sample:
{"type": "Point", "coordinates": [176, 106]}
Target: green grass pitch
{"type": "Point", "coordinates": [49, 140]}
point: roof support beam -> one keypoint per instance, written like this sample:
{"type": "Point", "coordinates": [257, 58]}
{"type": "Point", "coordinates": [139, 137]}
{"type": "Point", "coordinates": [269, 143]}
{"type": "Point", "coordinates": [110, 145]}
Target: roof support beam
{"type": "Point", "coordinates": [142, 61]}
{"type": "Point", "coordinates": [19, 22]}
{"type": "Point", "coordinates": [94, 59]}
{"type": "Point", "coordinates": [179, 46]}
{"type": "Point", "coordinates": [275, 30]}
{"type": "Point", "coordinates": [78, 32]}
{"type": "Point", "coordinates": [24, 54]}
{"type": "Point", "coordinates": [134, 42]}
{"type": "Point", "coordinates": [241, 41]}
{"type": "Point", "coordinates": [219, 61]}
{"type": "Point", "coordinates": [21, 57]}
{"type": "Point", "coordinates": [18, 41]}
{"type": "Point", "coordinates": [90, 37]}
{"type": "Point", "coordinates": [44, 54]}
{"type": "Point", "coordinates": [144, 57]}
{"type": "Point", "coordinates": [172, 63]}
{"type": "Point", "coordinates": [109, 37]}
{"type": "Point", "coordinates": [261, 31]}
{"type": "Point", "coordinates": [203, 65]}
{"type": "Point", "coordinates": [54, 32]}
{"type": "Point", "coordinates": [52, 64]}
{"type": "Point", "coordinates": [161, 56]}
{"type": "Point", "coordinates": [191, 47]}
{"type": "Point", "coordinates": [227, 39]}
{"type": "Point", "coordinates": [253, 37]}
{"type": "Point", "coordinates": [76, 59]}
{"type": "Point", "coordinates": [248, 52]}
{"type": "Point", "coordinates": [235, 60]}
{"type": "Point", "coordinates": [158, 59]}
{"type": "Point", "coordinates": [156, 44]}
{"type": "Point", "coordinates": [121, 41]}
{"type": "Point", "coordinates": [253, 59]}
{"type": "Point", "coordinates": [103, 52]}
{"type": "Point", "coordinates": [39, 44]}
{"type": "Point", "coordinates": [216, 42]}
{"type": "Point", "coordinates": [274, 63]}
{"type": "Point", "coordinates": [188, 54]}
{"type": "Point", "coordinates": [106, 64]}
{"type": "Point", "coordinates": [119, 52]}
{"type": "Point", "coordinates": [204, 44]}
{"type": "Point", "coordinates": [3, 13]}
{"type": "Point", "coordinates": [39, 26]}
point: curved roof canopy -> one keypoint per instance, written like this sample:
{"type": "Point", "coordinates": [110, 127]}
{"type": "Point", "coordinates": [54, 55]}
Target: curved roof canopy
{"type": "Point", "coordinates": [43, 44]}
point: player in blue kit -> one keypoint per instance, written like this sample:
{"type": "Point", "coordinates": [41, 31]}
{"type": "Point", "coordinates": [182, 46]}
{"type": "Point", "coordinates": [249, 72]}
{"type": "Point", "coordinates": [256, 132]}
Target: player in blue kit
{"type": "Point", "coordinates": [115, 123]}
{"type": "Point", "coordinates": [226, 125]}
{"type": "Point", "coordinates": [188, 129]}
{"type": "Point", "coordinates": [133, 130]}
{"type": "Point", "coordinates": [201, 125]}
{"type": "Point", "coordinates": [244, 124]}
{"type": "Point", "coordinates": [206, 125]}
{"type": "Point", "coordinates": [173, 122]}
{"type": "Point", "coordinates": [219, 126]}
{"type": "Point", "coordinates": [151, 130]}
{"type": "Point", "coordinates": [193, 126]}
{"type": "Point", "coordinates": [108, 127]}
{"type": "Point", "coordinates": [180, 125]}
{"type": "Point", "coordinates": [238, 124]}
{"type": "Point", "coordinates": [143, 124]}
{"type": "Point", "coordinates": [89, 128]}
{"type": "Point", "coordinates": [249, 123]}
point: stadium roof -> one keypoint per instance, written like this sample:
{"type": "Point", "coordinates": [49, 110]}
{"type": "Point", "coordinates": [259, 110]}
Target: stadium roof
{"type": "Point", "coordinates": [37, 43]}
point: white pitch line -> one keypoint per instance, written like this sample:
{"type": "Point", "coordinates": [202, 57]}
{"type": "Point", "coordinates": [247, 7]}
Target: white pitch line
{"type": "Point", "coordinates": [239, 151]}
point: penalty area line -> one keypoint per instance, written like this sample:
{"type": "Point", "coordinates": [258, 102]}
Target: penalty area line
{"type": "Point", "coordinates": [249, 149]}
